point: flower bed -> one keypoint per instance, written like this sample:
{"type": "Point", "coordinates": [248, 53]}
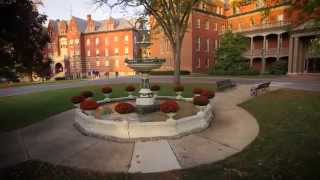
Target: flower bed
{"type": "Point", "coordinates": [197, 91]}
{"type": "Point", "coordinates": [130, 88]}
{"type": "Point", "coordinates": [178, 88]}
{"type": "Point", "coordinates": [87, 94]}
{"type": "Point", "coordinates": [77, 99]}
{"type": "Point", "coordinates": [208, 93]}
{"type": "Point", "coordinates": [155, 87]}
{"type": "Point", "coordinates": [124, 108]}
{"type": "Point", "coordinates": [169, 107]}
{"type": "Point", "coordinates": [200, 100]}
{"type": "Point", "coordinates": [106, 90]}
{"type": "Point", "coordinates": [89, 105]}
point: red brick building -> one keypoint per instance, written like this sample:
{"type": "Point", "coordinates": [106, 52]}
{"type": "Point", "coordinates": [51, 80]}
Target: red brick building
{"type": "Point", "coordinates": [78, 47]}
{"type": "Point", "coordinates": [270, 33]}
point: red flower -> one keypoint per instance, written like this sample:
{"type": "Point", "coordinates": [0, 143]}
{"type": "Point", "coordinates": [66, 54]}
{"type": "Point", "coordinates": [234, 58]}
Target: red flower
{"type": "Point", "coordinates": [89, 105]}
{"type": "Point", "coordinates": [169, 107]}
{"type": "Point", "coordinates": [106, 90]}
{"type": "Point", "coordinates": [200, 100]}
{"type": "Point", "coordinates": [178, 88]}
{"type": "Point", "coordinates": [207, 93]}
{"type": "Point", "coordinates": [77, 99]}
{"type": "Point", "coordinates": [124, 108]}
{"type": "Point", "coordinates": [197, 90]}
{"type": "Point", "coordinates": [130, 88]}
{"type": "Point", "coordinates": [155, 87]}
{"type": "Point", "coordinates": [86, 94]}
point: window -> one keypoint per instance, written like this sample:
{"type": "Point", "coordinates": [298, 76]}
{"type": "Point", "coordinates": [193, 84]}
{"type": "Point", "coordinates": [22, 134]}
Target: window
{"type": "Point", "coordinates": [204, 6]}
{"type": "Point", "coordinates": [207, 26]}
{"type": "Point", "coordinates": [218, 10]}
{"type": "Point", "coordinates": [71, 41]}
{"type": "Point", "coordinates": [126, 51]}
{"type": "Point", "coordinates": [280, 17]}
{"type": "Point", "coordinates": [106, 52]}
{"type": "Point", "coordinates": [198, 45]}
{"type": "Point", "coordinates": [221, 11]}
{"type": "Point", "coordinates": [199, 61]}
{"type": "Point", "coordinates": [106, 41]}
{"type": "Point", "coordinates": [98, 63]}
{"type": "Point", "coordinates": [106, 63]}
{"type": "Point", "coordinates": [97, 52]}
{"type": "Point", "coordinates": [97, 41]}
{"type": "Point", "coordinates": [88, 42]}
{"type": "Point", "coordinates": [126, 38]}
{"type": "Point", "coordinates": [208, 45]}
{"type": "Point", "coordinates": [88, 53]}
{"type": "Point", "coordinates": [216, 26]}
{"type": "Point", "coordinates": [76, 41]}
{"type": "Point", "coordinates": [116, 51]}
{"type": "Point", "coordinates": [198, 23]}
{"type": "Point", "coordinates": [116, 39]}
{"type": "Point", "coordinates": [216, 43]}
{"type": "Point", "coordinates": [117, 63]}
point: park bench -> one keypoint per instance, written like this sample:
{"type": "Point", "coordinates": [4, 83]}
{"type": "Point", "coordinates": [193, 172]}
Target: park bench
{"type": "Point", "coordinates": [262, 87]}
{"type": "Point", "coordinates": [224, 84]}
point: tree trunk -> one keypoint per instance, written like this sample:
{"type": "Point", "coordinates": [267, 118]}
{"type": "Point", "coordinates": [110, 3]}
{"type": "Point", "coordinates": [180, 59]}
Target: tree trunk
{"type": "Point", "coordinates": [177, 62]}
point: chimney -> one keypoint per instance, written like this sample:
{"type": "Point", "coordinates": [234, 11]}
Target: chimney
{"type": "Point", "coordinates": [89, 17]}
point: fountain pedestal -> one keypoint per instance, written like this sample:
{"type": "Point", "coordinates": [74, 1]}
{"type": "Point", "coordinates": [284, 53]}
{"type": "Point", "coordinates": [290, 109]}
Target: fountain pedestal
{"type": "Point", "coordinates": [145, 102]}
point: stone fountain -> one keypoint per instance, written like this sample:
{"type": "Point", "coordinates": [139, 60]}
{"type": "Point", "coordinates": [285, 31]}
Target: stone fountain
{"type": "Point", "coordinates": [143, 65]}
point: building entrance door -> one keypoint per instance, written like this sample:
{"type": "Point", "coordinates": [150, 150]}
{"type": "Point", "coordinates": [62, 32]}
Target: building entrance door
{"type": "Point", "coordinates": [313, 65]}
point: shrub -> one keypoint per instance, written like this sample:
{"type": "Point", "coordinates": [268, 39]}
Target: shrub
{"type": "Point", "coordinates": [178, 88]}
{"type": "Point", "coordinates": [197, 90]}
{"type": "Point", "coordinates": [200, 101]}
{"type": "Point", "coordinates": [86, 94]}
{"type": "Point", "coordinates": [59, 78]}
{"type": "Point", "coordinates": [183, 72]}
{"type": "Point", "coordinates": [279, 67]}
{"type": "Point", "coordinates": [207, 93]}
{"type": "Point", "coordinates": [77, 99]}
{"type": "Point", "coordinates": [169, 107]}
{"type": "Point", "coordinates": [124, 108]}
{"type": "Point", "coordinates": [130, 88]}
{"type": "Point", "coordinates": [89, 105]}
{"type": "Point", "coordinates": [106, 90]}
{"type": "Point", "coordinates": [155, 87]}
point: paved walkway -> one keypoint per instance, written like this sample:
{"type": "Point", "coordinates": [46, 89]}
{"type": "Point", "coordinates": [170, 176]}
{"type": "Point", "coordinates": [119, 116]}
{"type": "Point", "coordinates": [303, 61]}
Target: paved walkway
{"type": "Point", "coordinates": [55, 140]}
{"type": "Point", "coordinates": [311, 83]}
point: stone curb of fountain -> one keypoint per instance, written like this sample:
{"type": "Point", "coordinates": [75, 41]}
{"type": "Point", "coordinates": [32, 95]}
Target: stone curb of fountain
{"type": "Point", "coordinates": [90, 126]}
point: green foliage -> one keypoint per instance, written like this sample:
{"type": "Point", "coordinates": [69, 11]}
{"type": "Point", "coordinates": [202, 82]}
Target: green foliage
{"type": "Point", "coordinates": [22, 39]}
{"type": "Point", "coordinates": [229, 55]}
{"type": "Point", "coordinates": [182, 72]}
{"type": "Point", "coordinates": [279, 67]}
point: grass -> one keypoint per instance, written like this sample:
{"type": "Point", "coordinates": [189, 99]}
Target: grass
{"type": "Point", "coordinates": [20, 84]}
{"type": "Point", "coordinates": [23, 110]}
{"type": "Point", "coordinates": [287, 147]}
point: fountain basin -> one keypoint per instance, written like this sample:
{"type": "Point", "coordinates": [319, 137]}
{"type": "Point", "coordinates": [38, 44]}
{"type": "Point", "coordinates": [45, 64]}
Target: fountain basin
{"type": "Point", "coordinates": [130, 127]}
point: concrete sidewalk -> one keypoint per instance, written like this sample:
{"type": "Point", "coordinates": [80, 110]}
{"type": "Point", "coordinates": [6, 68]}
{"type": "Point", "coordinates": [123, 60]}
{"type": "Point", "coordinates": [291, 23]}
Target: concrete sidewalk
{"type": "Point", "coordinates": [55, 140]}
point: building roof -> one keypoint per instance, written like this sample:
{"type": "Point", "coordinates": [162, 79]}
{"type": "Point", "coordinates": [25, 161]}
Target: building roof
{"type": "Point", "coordinates": [102, 25]}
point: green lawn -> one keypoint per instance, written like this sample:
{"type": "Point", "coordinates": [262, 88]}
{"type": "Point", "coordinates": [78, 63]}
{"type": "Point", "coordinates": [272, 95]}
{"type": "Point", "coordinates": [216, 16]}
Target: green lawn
{"type": "Point", "coordinates": [20, 84]}
{"type": "Point", "coordinates": [20, 111]}
{"type": "Point", "coordinates": [287, 148]}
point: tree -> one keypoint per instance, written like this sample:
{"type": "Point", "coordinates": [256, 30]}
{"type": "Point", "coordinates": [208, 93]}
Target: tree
{"type": "Point", "coordinates": [229, 55]}
{"type": "Point", "coordinates": [22, 39]}
{"type": "Point", "coordinates": [171, 15]}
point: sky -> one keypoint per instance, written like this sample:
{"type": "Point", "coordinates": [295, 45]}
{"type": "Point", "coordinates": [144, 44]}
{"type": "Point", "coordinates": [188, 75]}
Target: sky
{"type": "Point", "coordinates": [63, 9]}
